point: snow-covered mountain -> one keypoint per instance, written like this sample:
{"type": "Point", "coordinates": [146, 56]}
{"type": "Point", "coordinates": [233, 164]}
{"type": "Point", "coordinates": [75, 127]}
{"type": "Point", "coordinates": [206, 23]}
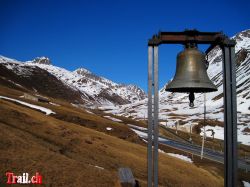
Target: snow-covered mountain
{"type": "Point", "coordinates": [94, 90]}
{"type": "Point", "coordinates": [84, 87]}
{"type": "Point", "coordinates": [42, 60]}
{"type": "Point", "coordinates": [32, 79]}
{"type": "Point", "coordinates": [175, 106]}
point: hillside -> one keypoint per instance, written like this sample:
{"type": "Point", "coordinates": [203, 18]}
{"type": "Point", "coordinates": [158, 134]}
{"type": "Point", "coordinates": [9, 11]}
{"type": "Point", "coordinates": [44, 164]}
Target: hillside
{"type": "Point", "coordinates": [74, 147]}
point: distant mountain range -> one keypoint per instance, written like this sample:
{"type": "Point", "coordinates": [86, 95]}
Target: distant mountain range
{"type": "Point", "coordinates": [85, 88]}
{"type": "Point", "coordinates": [80, 86]}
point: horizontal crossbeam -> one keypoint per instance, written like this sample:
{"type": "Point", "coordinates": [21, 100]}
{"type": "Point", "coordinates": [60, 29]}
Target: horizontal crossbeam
{"type": "Point", "coordinates": [187, 36]}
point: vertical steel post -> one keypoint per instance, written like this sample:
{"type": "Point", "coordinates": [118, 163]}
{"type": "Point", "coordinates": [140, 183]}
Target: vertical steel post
{"type": "Point", "coordinates": [150, 122]}
{"type": "Point", "coordinates": [156, 103]}
{"type": "Point", "coordinates": [230, 117]}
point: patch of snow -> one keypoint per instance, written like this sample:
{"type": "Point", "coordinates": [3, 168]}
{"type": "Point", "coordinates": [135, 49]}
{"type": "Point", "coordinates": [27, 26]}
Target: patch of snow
{"type": "Point", "coordinates": [43, 109]}
{"type": "Point", "coordinates": [242, 137]}
{"type": "Point", "coordinates": [89, 112]}
{"type": "Point", "coordinates": [109, 128]}
{"type": "Point", "coordinates": [55, 104]}
{"type": "Point", "coordinates": [113, 119]}
{"type": "Point", "coordinates": [140, 134]}
{"type": "Point", "coordinates": [107, 107]}
{"type": "Point", "coordinates": [182, 157]}
{"type": "Point", "coordinates": [98, 167]}
{"type": "Point", "coordinates": [144, 135]}
{"type": "Point", "coordinates": [163, 123]}
{"type": "Point", "coordinates": [243, 106]}
{"type": "Point", "coordinates": [246, 184]}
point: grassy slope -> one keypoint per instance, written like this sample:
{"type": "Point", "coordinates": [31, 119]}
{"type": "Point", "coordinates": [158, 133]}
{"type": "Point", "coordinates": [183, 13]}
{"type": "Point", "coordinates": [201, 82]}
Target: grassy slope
{"type": "Point", "coordinates": [65, 153]}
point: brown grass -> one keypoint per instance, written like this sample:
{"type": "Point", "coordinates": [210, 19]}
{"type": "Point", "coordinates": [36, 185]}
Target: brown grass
{"type": "Point", "coordinates": [65, 153]}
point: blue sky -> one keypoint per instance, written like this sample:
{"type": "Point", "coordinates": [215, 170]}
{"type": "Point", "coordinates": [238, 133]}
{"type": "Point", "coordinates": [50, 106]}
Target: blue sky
{"type": "Point", "coordinates": [108, 37]}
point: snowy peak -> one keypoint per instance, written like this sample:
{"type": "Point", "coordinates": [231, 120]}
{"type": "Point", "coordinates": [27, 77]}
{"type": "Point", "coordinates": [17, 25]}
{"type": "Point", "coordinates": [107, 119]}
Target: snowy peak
{"type": "Point", "coordinates": [137, 90]}
{"type": "Point", "coordinates": [242, 40]}
{"type": "Point", "coordinates": [42, 60]}
{"type": "Point", "coordinates": [243, 35]}
{"type": "Point", "coordinates": [82, 71]}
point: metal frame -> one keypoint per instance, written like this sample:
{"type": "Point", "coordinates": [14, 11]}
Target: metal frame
{"type": "Point", "coordinates": [153, 114]}
{"type": "Point", "coordinates": [229, 81]}
{"type": "Point", "coordinates": [150, 115]}
{"type": "Point", "coordinates": [230, 117]}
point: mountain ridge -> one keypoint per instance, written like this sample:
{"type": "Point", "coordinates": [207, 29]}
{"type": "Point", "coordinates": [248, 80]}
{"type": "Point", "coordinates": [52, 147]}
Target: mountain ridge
{"type": "Point", "coordinates": [94, 90]}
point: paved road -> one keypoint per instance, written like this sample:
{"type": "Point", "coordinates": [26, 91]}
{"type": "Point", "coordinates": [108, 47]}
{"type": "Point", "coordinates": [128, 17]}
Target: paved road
{"type": "Point", "coordinates": [208, 153]}
{"type": "Point", "coordinates": [194, 149]}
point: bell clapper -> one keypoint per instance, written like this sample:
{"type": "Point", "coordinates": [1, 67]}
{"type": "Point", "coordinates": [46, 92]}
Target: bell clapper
{"type": "Point", "coordinates": [191, 99]}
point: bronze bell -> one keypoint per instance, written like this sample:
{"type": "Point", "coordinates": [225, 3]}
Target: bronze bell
{"type": "Point", "coordinates": [191, 75]}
